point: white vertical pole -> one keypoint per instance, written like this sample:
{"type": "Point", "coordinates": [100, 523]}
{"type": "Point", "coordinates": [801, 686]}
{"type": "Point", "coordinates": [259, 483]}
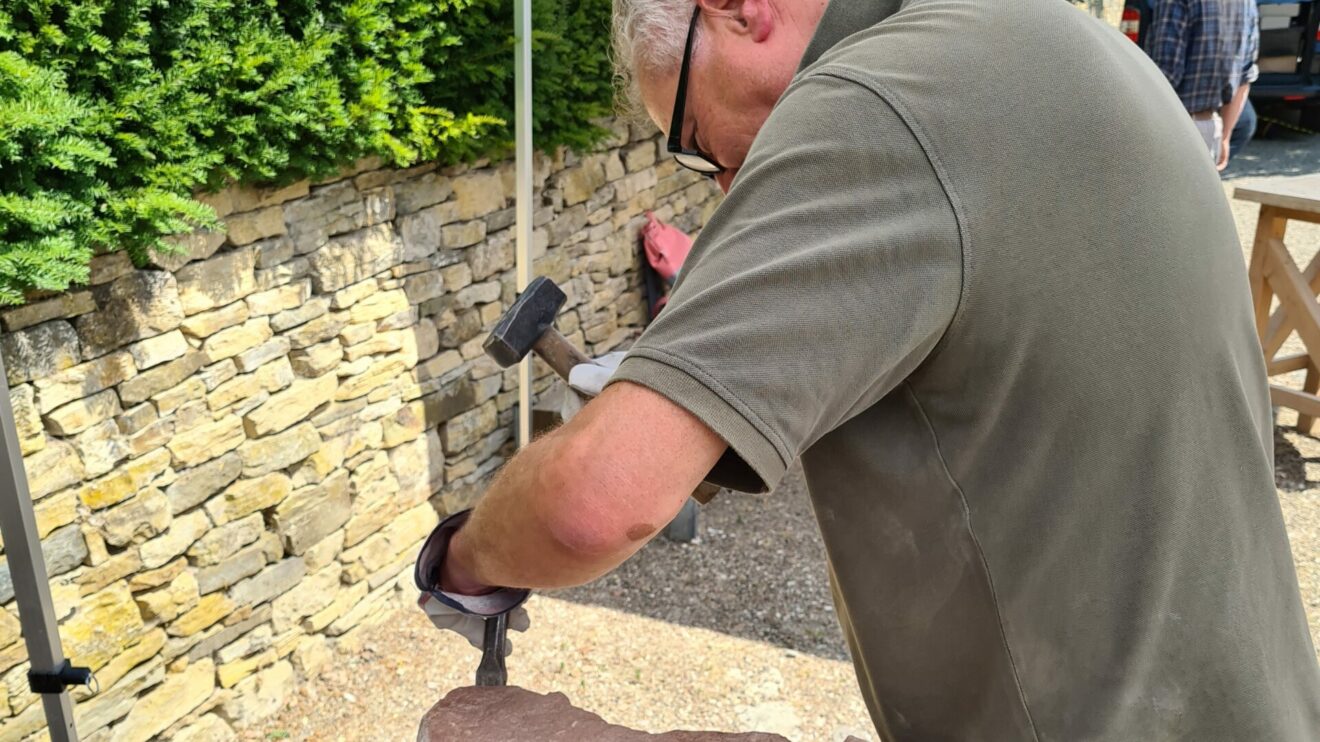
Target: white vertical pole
{"type": "Point", "coordinates": [522, 116]}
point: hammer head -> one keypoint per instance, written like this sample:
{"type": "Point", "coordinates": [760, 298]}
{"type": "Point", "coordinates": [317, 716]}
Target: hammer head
{"type": "Point", "coordinates": [525, 322]}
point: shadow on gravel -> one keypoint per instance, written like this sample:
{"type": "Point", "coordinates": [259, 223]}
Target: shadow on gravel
{"type": "Point", "coordinates": [756, 571]}
{"type": "Point", "coordinates": [1285, 153]}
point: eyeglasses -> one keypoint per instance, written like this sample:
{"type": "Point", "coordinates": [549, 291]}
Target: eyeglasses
{"type": "Point", "coordinates": [692, 159]}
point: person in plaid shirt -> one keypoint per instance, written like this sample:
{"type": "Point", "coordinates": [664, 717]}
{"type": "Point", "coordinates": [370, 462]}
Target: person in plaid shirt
{"type": "Point", "coordinates": [1208, 50]}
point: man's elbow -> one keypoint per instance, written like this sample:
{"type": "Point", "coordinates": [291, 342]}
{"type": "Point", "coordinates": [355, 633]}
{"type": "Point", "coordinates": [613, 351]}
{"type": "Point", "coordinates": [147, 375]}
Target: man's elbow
{"type": "Point", "coordinates": [591, 516]}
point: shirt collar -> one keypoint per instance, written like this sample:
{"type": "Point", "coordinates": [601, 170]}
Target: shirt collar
{"type": "Point", "coordinates": [842, 19]}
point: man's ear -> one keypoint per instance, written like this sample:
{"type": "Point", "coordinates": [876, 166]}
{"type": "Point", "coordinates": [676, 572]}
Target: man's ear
{"type": "Point", "coordinates": [751, 18]}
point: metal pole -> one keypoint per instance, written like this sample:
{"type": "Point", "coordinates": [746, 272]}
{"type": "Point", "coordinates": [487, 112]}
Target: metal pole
{"type": "Point", "coordinates": [522, 117]}
{"type": "Point", "coordinates": [27, 568]}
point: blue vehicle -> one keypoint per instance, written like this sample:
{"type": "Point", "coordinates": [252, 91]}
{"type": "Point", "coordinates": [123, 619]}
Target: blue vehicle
{"type": "Point", "coordinates": [1289, 64]}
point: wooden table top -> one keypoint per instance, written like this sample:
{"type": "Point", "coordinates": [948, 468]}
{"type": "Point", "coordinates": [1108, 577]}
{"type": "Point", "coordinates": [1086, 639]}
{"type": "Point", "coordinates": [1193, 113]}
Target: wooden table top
{"type": "Point", "coordinates": [1300, 193]}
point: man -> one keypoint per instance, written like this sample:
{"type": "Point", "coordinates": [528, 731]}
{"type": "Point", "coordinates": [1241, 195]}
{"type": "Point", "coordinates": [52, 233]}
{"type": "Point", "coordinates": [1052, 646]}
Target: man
{"type": "Point", "coordinates": [1207, 49]}
{"type": "Point", "coordinates": [975, 273]}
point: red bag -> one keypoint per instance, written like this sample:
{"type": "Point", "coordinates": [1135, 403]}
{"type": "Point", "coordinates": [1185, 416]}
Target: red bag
{"type": "Point", "coordinates": [666, 247]}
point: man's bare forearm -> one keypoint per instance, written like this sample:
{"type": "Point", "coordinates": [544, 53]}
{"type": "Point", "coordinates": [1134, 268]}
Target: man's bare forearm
{"type": "Point", "coordinates": [1233, 111]}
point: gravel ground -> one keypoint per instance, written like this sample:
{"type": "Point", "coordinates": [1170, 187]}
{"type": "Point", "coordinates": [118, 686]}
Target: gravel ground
{"type": "Point", "coordinates": [732, 633]}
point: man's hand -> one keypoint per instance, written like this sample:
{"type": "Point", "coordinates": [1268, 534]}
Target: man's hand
{"type": "Point", "coordinates": [589, 379]}
{"type": "Point", "coordinates": [466, 625]}
{"type": "Point", "coordinates": [1222, 162]}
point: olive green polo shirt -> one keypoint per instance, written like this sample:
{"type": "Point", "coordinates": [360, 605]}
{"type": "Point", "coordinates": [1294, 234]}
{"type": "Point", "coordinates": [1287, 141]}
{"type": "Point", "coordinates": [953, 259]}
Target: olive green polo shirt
{"type": "Point", "coordinates": [978, 275]}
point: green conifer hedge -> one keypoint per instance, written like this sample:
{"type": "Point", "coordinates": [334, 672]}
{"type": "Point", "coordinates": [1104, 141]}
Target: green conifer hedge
{"type": "Point", "coordinates": [113, 112]}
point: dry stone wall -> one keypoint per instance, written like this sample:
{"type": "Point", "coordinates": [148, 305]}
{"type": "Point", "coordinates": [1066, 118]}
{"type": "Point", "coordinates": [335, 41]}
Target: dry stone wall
{"type": "Point", "coordinates": [234, 454]}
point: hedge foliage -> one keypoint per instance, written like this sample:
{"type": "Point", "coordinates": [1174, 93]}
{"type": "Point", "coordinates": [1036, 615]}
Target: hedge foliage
{"type": "Point", "coordinates": [113, 112]}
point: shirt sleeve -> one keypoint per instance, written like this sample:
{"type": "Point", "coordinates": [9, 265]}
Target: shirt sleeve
{"type": "Point", "coordinates": [826, 276]}
{"type": "Point", "coordinates": [1167, 39]}
{"type": "Point", "coordinates": [1252, 53]}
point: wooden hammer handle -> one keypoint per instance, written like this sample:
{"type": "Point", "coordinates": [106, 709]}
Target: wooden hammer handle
{"type": "Point", "coordinates": [558, 353]}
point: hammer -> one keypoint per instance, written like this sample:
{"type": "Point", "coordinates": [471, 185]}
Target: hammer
{"type": "Point", "coordinates": [529, 326]}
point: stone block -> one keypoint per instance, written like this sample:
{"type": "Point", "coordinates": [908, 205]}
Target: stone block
{"type": "Point", "coordinates": [268, 351]}
{"type": "Point", "coordinates": [248, 496]}
{"type": "Point", "coordinates": [478, 194]}
{"type": "Point", "coordinates": [272, 252]}
{"type": "Point", "coordinates": [136, 419]}
{"type": "Point", "coordinates": [168, 602]}
{"type": "Point", "coordinates": [276, 579]}
{"type": "Point", "coordinates": [206, 442]}
{"type": "Point", "coordinates": [462, 234]}
{"type": "Point", "coordinates": [104, 624]}
{"type": "Point", "coordinates": [259, 696]}
{"type": "Point", "coordinates": [477, 293]}
{"type": "Point", "coordinates": [421, 232]}
{"type": "Point", "coordinates": [235, 340]}
{"type": "Point", "coordinates": [134, 520]}
{"type": "Point", "coordinates": [27, 421]}
{"type": "Point", "coordinates": [324, 551]}
{"type": "Point", "coordinates": [282, 274]}
{"type": "Point", "coordinates": [288, 407]}
{"type": "Point", "coordinates": [316, 360]}
{"type": "Point", "coordinates": [313, 593]}
{"type": "Point", "coordinates": [100, 447]}
{"type": "Point", "coordinates": [183, 531]}
{"type": "Point", "coordinates": [117, 567]}
{"type": "Point", "coordinates": [639, 156]}
{"type": "Point", "coordinates": [381, 372]}
{"type": "Point", "coordinates": [491, 257]}
{"type": "Point", "coordinates": [250, 226]}
{"type": "Point", "coordinates": [217, 282]}
{"type": "Point", "coordinates": [418, 193]}
{"type": "Point", "coordinates": [82, 414]}
{"type": "Point", "coordinates": [233, 631]}
{"type": "Point", "coordinates": [223, 541]}
{"type": "Point", "coordinates": [151, 438]}
{"type": "Point", "coordinates": [316, 331]}
{"type": "Point", "coordinates": [172, 700]}
{"type": "Point", "coordinates": [231, 672]}
{"type": "Point", "coordinates": [235, 390]}
{"type": "Point", "coordinates": [303, 313]}
{"type": "Point", "coordinates": [64, 549]}
{"type": "Point", "coordinates": [198, 245]}
{"type": "Point", "coordinates": [53, 468]}
{"type": "Point", "coordinates": [279, 299]}
{"type": "Point", "coordinates": [64, 306]}
{"type": "Point", "coordinates": [245, 563]}
{"type": "Point", "coordinates": [209, 609]}
{"type": "Point", "coordinates": [468, 427]}
{"type": "Point", "coordinates": [312, 514]}
{"type": "Point", "coordinates": [419, 464]}
{"type": "Point", "coordinates": [163, 575]}
{"type": "Point", "coordinates": [275, 452]}
{"type": "Point", "coordinates": [580, 183]}
{"type": "Point", "coordinates": [465, 326]}
{"type": "Point", "coordinates": [342, 604]}
{"type": "Point", "coordinates": [206, 324]}
{"type": "Point", "coordinates": [350, 295]}
{"type": "Point", "coordinates": [209, 728]}
{"type": "Point", "coordinates": [355, 256]}
{"type": "Point", "coordinates": [138, 305]}
{"type": "Point", "coordinates": [194, 486]}
{"type": "Point", "coordinates": [125, 482]}
{"type": "Point", "coordinates": [423, 286]}
{"type": "Point", "coordinates": [83, 380]}
{"type": "Point", "coordinates": [274, 376]}
{"type": "Point", "coordinates": [148, 384]}
{"type": "Point", "coordinates": [249, 198]}
{"type": "Point", "coordinates": [378, 306]}
{"type": "Point", "coordinates": [40, 351]}
{"type": "Point", "coordinates": [376, 344]}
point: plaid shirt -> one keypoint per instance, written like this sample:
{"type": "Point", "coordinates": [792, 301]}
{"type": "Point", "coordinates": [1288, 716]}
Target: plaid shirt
{"type": "Point", "coordinates": [1207, 48]}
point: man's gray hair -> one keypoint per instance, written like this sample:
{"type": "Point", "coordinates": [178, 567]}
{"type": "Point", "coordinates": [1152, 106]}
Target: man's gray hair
{"type": "Point", "coordinates": [648, 40]}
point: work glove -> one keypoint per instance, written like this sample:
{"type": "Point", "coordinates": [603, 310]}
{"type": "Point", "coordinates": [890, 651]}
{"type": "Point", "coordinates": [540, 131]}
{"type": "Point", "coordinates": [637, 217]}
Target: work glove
{"type": "Point", "coordinates": [465, 615]}
{"type": "Point", "coordinates": [589, 379]}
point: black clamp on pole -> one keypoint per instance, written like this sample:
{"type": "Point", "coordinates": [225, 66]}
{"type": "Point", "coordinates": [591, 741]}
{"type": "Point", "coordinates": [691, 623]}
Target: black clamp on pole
{"type": "Point", "coordinates": [65, 676]}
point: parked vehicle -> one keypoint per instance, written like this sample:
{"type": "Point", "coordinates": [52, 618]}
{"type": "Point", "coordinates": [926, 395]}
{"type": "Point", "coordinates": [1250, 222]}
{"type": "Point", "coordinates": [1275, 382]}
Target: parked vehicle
{"type": "Point", "coordinates": [1289, 63]}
